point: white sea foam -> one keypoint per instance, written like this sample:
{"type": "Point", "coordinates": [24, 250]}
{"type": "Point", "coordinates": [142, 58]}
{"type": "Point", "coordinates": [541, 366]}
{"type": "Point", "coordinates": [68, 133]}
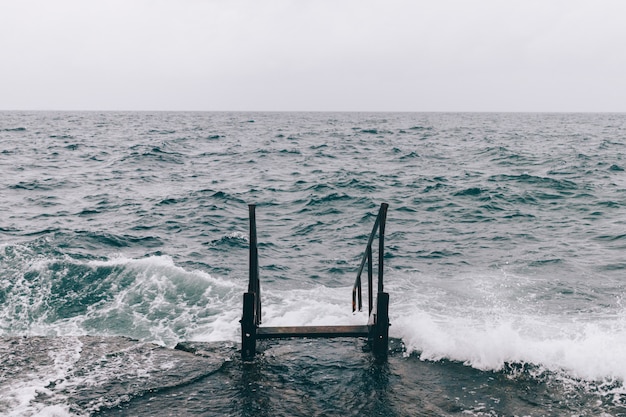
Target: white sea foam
{"type": "Point", "coordinates": [478, 320]}
{"type": "Point", "coordinates": [585, 350]}
{"type": "Point", "coordinates": [54, 411]}
{"type": "Point", "coordinates": [166, 303]}
{"type": "Point", "coordinates": [487, 327]}
{"type": "Point", "coordinates": [21, 396]}
{"type": "Point", "coordinates": [75, 377]}
{"type": "Point", "coordinates": [150, 299]}
{"type": "Point", "coordinates": [483, 326]}
{"type": "Point", "coordinates": [314, 306]}
{"type": "Point", "coordinates": [309, 307]}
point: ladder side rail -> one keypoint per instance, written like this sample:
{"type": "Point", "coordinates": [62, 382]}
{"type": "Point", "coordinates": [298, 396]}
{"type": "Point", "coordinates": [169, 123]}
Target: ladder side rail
{"type": "Point", "coordinates": [381, 244]}
{"type": "Point", "coordinates": [379, 317]}
{"type": "Point", "coordinates": [248, 327]}
{"type": "Point", "coordinates": [254, 285]}
{"type": "Point", "coordinates": [370, 277]}
{"type": "Point", "coordinates": [251, 300]}
{"type": "Point", "coordinates": [380, 342]}
{"type": "Point", "coordinates": [379, 327]}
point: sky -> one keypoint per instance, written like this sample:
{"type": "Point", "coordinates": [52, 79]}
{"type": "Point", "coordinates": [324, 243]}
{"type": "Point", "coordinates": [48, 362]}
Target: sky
{"type": "Point", "coordinates": [314, 55]}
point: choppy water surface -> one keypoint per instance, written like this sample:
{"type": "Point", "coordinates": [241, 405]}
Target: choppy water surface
{"type": "Point", "coordinates": [125, 234]}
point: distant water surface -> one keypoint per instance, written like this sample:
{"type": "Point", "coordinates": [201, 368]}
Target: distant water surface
{"type": "Point", "coordinates": [124, 234]}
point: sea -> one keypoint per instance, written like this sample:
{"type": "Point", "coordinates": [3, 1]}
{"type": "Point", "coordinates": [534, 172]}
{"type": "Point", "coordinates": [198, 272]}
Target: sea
{"type": "Point", "coordinates": [124, 259]}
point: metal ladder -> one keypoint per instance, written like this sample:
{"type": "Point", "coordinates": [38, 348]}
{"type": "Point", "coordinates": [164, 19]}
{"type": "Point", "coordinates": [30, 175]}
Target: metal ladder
{"type": "Point", "coordinates": [376, 330]}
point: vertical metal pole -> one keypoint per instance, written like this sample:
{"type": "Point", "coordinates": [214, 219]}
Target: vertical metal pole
{"type": "Point", "coordinates": [381, 244]}
{"type": "Point", "coordinates": [379, 320]}
{"type": "Point", "coordinates": [357, 296]}
{"type": "Point", "coordinates": [370, 285]}
{"type": "Point", "coordinates": [253, 259]}
{"type": "Point", "coordinates": [251, 299]}
{"type": "Point", "coordinates": [254, 286]}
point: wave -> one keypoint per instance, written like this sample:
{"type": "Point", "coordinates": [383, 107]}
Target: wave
{"type": "Point", "coordinates": [144, 154]}
{"type": "Point", "coordinates": [495, 321]}
{"type": "Point", "coordinates": [546, 182]}
{"type": "Point", "coordinates": [232, 240]}
{"type": "Point", "coordinates": [590, 351]}
{"type": "Point", "coordinates": [150, 299]}
{"type": "Point", "coordinates": [373, 131]}
{"type": "Point", "coordinates": [116, 241]}
{"type": "Point", "coordinates": [489, 323]}
{"type": "Point", "coordinates": [45, 184]}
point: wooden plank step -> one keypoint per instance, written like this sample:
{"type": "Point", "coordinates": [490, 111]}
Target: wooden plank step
{"type": "Point", "coordinates": [311, 331]}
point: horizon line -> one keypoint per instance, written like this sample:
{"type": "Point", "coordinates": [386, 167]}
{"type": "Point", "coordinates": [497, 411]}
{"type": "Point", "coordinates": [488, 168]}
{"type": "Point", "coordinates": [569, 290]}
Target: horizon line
{"type": "Point", "coordinates": [318, 111]}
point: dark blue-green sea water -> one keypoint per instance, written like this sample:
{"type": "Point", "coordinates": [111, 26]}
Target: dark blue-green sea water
{"type": "Point", "coordinates": [125, 234]}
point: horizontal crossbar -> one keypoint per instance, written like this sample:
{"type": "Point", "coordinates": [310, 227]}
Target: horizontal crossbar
{"type": "Point", "coordinates": [311, 331]}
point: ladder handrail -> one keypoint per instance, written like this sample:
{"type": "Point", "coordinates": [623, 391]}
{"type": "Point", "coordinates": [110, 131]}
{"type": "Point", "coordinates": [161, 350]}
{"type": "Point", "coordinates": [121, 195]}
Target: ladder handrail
{"type": "Point", "coordinates": [379, 225]}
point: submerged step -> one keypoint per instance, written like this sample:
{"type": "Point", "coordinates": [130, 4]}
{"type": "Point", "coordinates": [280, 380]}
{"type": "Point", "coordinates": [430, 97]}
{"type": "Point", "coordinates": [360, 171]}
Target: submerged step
{"type": "Point", "coordinates": [311, 331]}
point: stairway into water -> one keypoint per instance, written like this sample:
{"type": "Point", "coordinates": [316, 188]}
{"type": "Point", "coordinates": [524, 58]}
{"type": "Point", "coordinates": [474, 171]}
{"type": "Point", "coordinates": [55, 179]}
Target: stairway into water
{"type": "Point", "coordinates": [377, 328]}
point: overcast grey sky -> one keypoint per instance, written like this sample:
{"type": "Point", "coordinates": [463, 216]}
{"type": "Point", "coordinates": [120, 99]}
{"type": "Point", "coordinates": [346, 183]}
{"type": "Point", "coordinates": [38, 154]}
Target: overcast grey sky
{"type": "Point", "coordinates": [335, 55]}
